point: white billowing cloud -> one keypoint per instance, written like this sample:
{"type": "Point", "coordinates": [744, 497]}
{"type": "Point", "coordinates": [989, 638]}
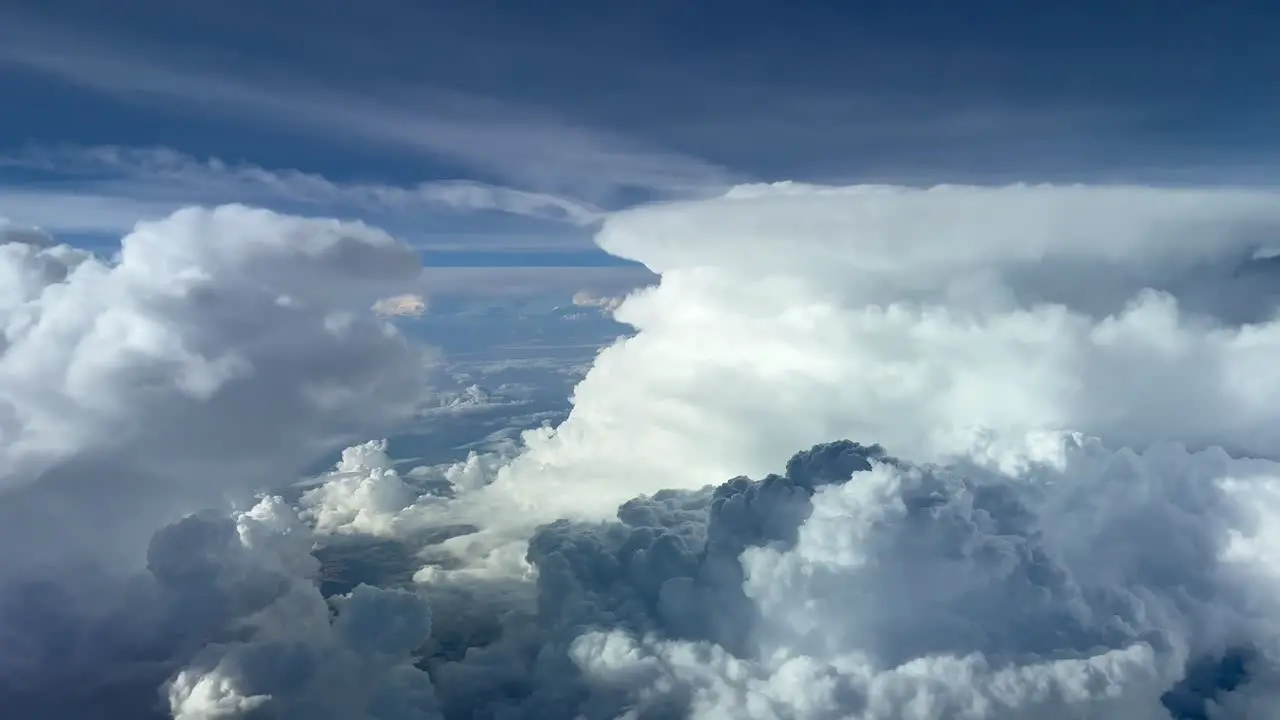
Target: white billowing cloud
{"type": "Point", "coordinates": [858, 585]}
{"type": "Point", "coordinates": [1072, 357]}
{"type": "Point", "coordinates": [1005, 555]}
{"type": "Point", "coordinates": [406, 305]}
{"type": "Point", "coordinates": [364, 494]}
{"type": "Point", "coordinates": [938, 322]}
{"type": "Point", "coordinates": [222, 351]}
{"type": "Point", "coordinates": [958, 593]}
{"type": "Point", "coordinates": [528, 147]}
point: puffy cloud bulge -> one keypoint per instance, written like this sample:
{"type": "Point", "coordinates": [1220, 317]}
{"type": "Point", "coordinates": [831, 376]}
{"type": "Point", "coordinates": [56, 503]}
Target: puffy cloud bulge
{"type": "Point", "coordinates": [931, 321]}
{"type": "Point", "coordinates": [219, 338]}
{"type": "Point", "coordinates": [219, 353]}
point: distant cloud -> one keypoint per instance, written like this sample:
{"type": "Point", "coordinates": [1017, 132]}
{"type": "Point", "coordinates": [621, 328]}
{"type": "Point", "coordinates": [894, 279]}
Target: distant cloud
{"type": "Point", "coordinates": [586, 298]}
{"type": "Point", "coordinates": [527, 147]}
{"type": "Point", "coordinates": [407, 305]}
{"type": "Point", "coordinates": [112, 186]}
{"type": "Point", "coordinates": [35, 237]}
{"type": "Point", "coordinates": [68, 211]}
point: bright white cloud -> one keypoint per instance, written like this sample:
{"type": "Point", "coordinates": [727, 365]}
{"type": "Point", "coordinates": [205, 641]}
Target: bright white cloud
{"type": "Point", "coordinates": [956, 593]}
{"type": "Point", "coordinates": [220, 352]}
{"type": "Point", "coordinates": [929, 320]}
{"type": "Point", "coordinates": [363, 495]}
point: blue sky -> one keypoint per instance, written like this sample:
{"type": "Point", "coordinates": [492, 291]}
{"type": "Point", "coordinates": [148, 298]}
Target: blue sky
{"type": "Point", "coordinates": [496, 132]}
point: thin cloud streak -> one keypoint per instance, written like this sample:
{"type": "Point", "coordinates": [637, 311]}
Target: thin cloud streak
{"type": "Point", "coordinates": [526, 147]}
{"type": "Point", "coordinates": [80, 211]}
{"type": "Point", "coordinates": [108, 189]}
{"type": "Point", "coordinates": [496, 282]}
{"type": "Point", "coordinates": [60, 212]}
{"type": "Point", "coordinates": [167, 175]}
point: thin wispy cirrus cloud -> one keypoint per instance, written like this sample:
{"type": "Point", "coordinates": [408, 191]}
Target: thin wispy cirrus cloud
{"type": "Point", "coordinates": [482, 159]}
{"type": "Point", "coordinates": [109, 188]}
{"type": "Point", "coordinates": [529, 148]}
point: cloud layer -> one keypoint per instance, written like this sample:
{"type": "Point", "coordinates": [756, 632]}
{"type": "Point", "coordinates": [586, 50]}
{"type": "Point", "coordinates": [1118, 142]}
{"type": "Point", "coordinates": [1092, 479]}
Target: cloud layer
{"type": "Point", "coordinates": [1061, 505]}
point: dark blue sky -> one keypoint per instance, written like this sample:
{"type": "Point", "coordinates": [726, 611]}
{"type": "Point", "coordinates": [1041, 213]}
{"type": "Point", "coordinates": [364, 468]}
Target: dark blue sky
{"type": "Point", "coordinates": [612, 102]}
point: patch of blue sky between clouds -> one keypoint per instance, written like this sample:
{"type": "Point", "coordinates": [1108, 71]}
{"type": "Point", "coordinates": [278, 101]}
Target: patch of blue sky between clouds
{"type": "Point", "coordinates": [516, 258]}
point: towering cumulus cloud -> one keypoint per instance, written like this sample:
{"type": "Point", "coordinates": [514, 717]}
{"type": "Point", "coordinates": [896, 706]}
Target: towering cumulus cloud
{"type": "Point", "coordinates": [937, 322]}
{"type": "Point", "coordinates": [1076, 389]}
{"type": "Point", "coordinates": [220, 353]}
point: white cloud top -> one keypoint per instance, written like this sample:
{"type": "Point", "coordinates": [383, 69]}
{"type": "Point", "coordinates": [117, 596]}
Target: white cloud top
{"type": "Point", "coordinates": [221, 349]}
{"type": "Point", "coordinates": [932, 321]}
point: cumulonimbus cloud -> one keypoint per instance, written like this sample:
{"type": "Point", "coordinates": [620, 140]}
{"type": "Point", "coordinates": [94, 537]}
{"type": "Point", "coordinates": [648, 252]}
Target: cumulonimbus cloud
{"type": "Point", "coordinates": [1061, 505]}
{"type": "Point", "coordinates": [940, 322]}
{"type": "Point", "coordinates": [1024, 337]}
